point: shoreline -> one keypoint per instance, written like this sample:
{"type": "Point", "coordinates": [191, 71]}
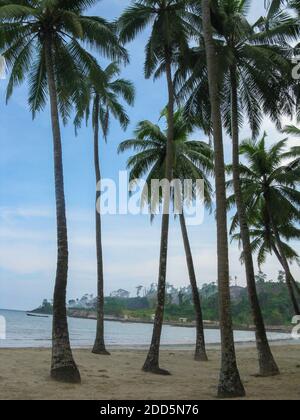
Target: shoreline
{"type": "Point", "coordinates": [169, 347]}
{"type": "Point", "coordinates": [208, 326]}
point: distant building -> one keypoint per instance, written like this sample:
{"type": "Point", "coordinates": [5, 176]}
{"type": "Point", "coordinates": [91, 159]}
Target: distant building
{"type": "Point", "coordinates": [121, 293]}
{"type": "Point", "coordinates": [183, 320]}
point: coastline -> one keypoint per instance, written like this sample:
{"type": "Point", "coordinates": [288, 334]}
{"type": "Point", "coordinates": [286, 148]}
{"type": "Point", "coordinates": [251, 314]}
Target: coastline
{"type": "Point", "coordinates": [208, 326]}
{"type": "Point", "coordinates": [168, 347]}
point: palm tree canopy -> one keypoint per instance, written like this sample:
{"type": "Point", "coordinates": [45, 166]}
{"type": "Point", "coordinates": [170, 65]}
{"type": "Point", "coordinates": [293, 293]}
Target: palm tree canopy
{"type": "Point", "coordinates": [26, 25]}
{"type": "Point", "coordinates": [263, 238]}
{"type": "Point", "coordinates": [268, 175]}
{"type": "Point", "coordinates": [261, 55]}
{"type": "Point", "coordinates": [172, 27]}
{"type": "Point", "coordinates": [193, 159]}
{"type": "Point", "coordinates": [104, 92]}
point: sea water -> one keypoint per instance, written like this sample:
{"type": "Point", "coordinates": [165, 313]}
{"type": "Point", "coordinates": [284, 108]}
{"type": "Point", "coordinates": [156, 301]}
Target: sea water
{"type": "Point", "coordinates": [23, 331]}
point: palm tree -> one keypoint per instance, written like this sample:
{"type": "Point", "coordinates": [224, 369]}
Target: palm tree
{"type": "Point", "coordinates": [43, 41]}
{"type": "Point", "coordinates": [101, 95]}
{"type": "Point", "coordinates": [269, 182]}
{"type": "Point", "coordinates": [230, 384]}
{"type": "Point", "coordinates": [170, 35]}
{"type": "Point", "coordinates": [260, 57]}
{"type": "Point", "coordinates": [246, 56]}
{"type": "Point", "coordinates": [264, 241]}
{"type": "Point", "coordinates": [236, 31]}
{"type": "Point", "coordinates": [294, 131]}
{"type": "Point", "coordinates": [193, 161]}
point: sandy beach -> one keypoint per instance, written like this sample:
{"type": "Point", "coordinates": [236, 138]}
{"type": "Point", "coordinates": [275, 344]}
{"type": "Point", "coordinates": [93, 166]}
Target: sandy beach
{"type": "Point", "coordinates": [24, 374]}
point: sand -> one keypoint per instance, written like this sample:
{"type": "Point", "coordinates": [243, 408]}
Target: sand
{"type": "Point", "coordinates": [24, 374]}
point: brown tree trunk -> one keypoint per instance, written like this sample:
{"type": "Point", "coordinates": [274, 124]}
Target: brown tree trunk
{"type": "Point", "coordinates": [230, 384]}
{"type": "Point", "coordinates": [279, 252]}
{"type": "Point", "coordinates": [200, 352]}
{"type": "Point", "coordinates": [296, 285]}
{"type": "Point", "coordinates": [63, 367]}
{"type": "Point", "coordinates": [266, 360]}
{"type": "Point", "coordinates": [152, 360]}
{"type": "Point", "coordinates": [99, 345]}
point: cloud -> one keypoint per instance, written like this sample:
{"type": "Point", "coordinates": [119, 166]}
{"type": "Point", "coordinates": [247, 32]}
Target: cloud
{"type": "Point", "coordinates": [26, 258]}
{"type": "Point", "coordinates": [13, 213]}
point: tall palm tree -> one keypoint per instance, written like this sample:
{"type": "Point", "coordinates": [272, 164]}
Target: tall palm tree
{"type": "Point", "coordinates": [193, 161]}
{"type": "Point", "coordinates": [230, 384]}
{"type": "Point", "coordinates": [169, 35]}
{"type": "Point", "coordinates": [101, 96]}
{"type": "Point", "coordinates": [43, 41]}
{"type": "Point", "coordinates": [236, 30]}
{"type": "Point", "coordinates": [268, 181]}
{"type": "Point", "coordinates": [246, 56]}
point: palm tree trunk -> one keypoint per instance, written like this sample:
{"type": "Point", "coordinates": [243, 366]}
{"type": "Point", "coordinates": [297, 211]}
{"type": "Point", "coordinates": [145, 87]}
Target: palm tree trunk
{"type": "Point", "coordinates": [295, 285]}
{"type": "Point", "coordinates": [230, 384]}
{"type": "Point", "coordinates": [279, 252]}
{"type": "Point", "coordinates": [200, 352]}
{"type": "Point", "coordinates": [63, 367]}
{"type": "Point", "coordinates": [152, 360]}
{"type": "Point", "coordinates": [99, 345]}
{"type": "Point", "coordinates": [267, 363]}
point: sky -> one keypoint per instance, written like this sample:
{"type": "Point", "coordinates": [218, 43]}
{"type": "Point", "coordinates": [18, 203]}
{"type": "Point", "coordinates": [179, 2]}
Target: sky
{"type": "Point", "coordinates": [131, 243]}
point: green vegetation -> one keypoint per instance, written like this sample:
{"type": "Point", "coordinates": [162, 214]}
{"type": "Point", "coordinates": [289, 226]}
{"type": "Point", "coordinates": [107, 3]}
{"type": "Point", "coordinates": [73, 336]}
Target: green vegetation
{"type": "Point", "coordinates": [273, 296]}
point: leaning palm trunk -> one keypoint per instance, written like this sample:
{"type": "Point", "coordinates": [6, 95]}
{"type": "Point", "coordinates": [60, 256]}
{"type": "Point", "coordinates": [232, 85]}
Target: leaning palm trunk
{"type": "Point", "coordinates": [152, 360]}
{"type": "Point", "coordinates": [200, 352]}
{"type": "Point", "coordinates": [296, 286]}
{"type": "Point", "coordinates": [290, 281]}
{"type": "Point", "coordinates": [279, 252]}
{"type": "Point", "coordinates": [63, 367]}
{"type": "Point", "coordinates": [230, 384]}
{"type": "Point", "coordinates": [99, 345]}
{"type": "Point", "coordinates": [267, 363]}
